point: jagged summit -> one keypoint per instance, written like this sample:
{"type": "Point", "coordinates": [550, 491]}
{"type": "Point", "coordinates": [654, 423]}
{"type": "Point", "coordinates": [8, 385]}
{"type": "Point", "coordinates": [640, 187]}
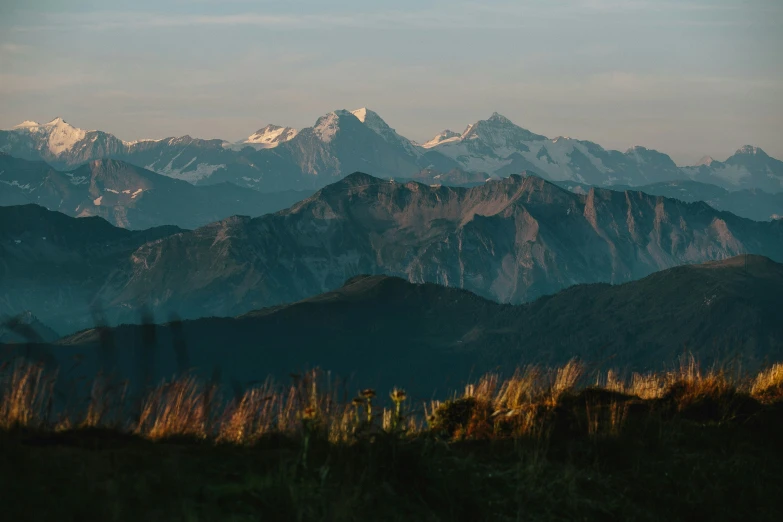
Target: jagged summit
{"type": "Point", "coordinates": [442, 137]}
{"type": "Point", "coordinates": [750, 150]}
{"type": "Point", "coordinates": [361, 114]}
{"type": "Point", "coordinates": [343, 141]}
{"type": "Point", "coordinates": [26, 125]}
{"type": "Point", "coordinates": [327, 126]}
{"type": "Point", "coordinates": [29, 124]}
{"type": "Point", "coordinates": [271, 136]}
{"type": "Point", "coordinates": [374, 122]}
{"type": "Point", "coordinates": [497, 117]}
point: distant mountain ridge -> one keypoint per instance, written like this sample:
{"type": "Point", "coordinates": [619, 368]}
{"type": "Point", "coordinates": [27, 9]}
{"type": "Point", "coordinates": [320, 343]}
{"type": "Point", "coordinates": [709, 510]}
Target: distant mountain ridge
{"type": "Point", "coordinates": [131, 197]}
{"type": "Point", "coordinates": [55, 266]}
{"type": "Point", "coordinates": [426, 336]}
{"type": "Point", "coordinates": [281, 158]}
{"type": "Point", "coordinates": [510, 240]}
{"type": "Point", "coordinates": [749, 203]}
{"type": "Point", "coordinates": [25, 328]}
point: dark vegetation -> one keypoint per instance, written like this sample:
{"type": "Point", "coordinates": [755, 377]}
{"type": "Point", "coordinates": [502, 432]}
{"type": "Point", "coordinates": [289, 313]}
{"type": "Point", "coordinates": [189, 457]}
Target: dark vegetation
{"type": "Point", "coordinates": [98, 435]}
{"type": "Point", "coordinates": [543, 445]}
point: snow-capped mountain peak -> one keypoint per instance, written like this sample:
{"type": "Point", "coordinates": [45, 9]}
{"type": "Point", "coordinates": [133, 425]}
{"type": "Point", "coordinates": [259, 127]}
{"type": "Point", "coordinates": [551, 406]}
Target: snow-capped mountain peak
{"type": "Point", "coordinates": [361, 114]}
{"type": "Point", "coordinates": [58, 136]}
{"type": "Point", "coordinates": [750, 150]}
{"type": "Point", "coordinates": [26, 125]}
{"type": "Point", "coordinates": [443, 136]}
{"type": "Point", "coordinates": [706, 161]}
{"type": "Point", "coordinates": [375, 123]}
{"type": "Point", "coordinates": [499, 131]}
{"type": "Point", "coordinates": [497, 117]}
{"type": "Point", "coordinates": [270, 136]}
{"type": "Point", "coordinates": [327, 126]}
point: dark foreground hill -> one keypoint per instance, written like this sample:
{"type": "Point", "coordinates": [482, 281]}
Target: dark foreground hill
{"type": "Point", "coordinates": [385, 331]}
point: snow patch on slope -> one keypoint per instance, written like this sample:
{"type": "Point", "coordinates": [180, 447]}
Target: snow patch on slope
{"type": "Point", "coordinates": [143, 140]}
{"type": "Point", "coordinates": [202, 170]}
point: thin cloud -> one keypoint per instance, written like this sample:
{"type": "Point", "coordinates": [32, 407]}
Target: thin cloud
{"type": "Point", "coordinates": [464, 15]}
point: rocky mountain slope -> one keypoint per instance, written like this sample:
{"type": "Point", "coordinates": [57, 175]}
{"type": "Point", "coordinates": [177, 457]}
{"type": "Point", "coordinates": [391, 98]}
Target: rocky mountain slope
{"type": "Point", "coordinates": [749, 168]}
{"type": "Point", "coordinates": [511, 240]}
{"type": "Point", "coordinates": [56, 266]}
{"type": "Point", "coordinates": [425, 336]}
{"type": "Point", "coordinates": [750, 203]}
{"type": "Point", "coordinates": [280, 158]}
{"type": "Point", "coordinates": [131, 197]}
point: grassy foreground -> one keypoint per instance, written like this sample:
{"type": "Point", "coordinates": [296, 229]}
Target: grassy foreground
{"type": "Point", "coordinates": [542, 445]}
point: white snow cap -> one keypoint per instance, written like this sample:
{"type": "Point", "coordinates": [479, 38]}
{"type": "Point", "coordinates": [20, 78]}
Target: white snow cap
{"type": "Point", "coordinates": [442, 137]}
{"type": "Point", "coordinates": [271, 136]}
{"type": "Point", "coordinates": [60, 136]}
{"type": "Point", "coordinates": [361, 114]}
{"type": "Point", "coordinates": [27, 124]}
{"type": "Point", "coordinates": [749, 149]}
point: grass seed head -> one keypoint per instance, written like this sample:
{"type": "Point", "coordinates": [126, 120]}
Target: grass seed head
{"type": "Point", "coordinates": [397, 395]}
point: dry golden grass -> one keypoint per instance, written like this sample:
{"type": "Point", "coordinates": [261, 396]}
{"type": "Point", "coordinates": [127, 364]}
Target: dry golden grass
{"type": "Point", "coordinates": [566, 378]}
{"type": "Point", "coordinates": [26, 394]}
{"type": "Point", "coordinates": [176, 408]}
{"type": "Point", "coordinates": [313, 404]}
{"type": "Point", "coordinates": [768, 384]}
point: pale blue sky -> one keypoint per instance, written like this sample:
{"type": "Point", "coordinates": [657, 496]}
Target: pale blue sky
{"type": "Point", "coordinates": [687, 77]}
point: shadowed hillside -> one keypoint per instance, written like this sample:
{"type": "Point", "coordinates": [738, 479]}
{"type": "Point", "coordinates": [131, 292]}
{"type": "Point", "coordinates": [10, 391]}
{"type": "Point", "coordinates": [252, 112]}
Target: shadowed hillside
{"type": "Point", "coordinates": [386, 331]}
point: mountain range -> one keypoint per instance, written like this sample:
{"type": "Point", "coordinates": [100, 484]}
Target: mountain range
{"type": "Point", "coordinates": [750, 203]}
{"type": "Point", "coordinates": [511, 240]}
{"type": "Point", "coordinates": [131, 197]}
{"type": "Point", "coordinates": [279, 158]}
{"type": "Point", "coordinates": [54, 265]}
{"type": "Point", "coordinates": [25, 328]}
{"type": "Point", "coordinates": [384, 331]}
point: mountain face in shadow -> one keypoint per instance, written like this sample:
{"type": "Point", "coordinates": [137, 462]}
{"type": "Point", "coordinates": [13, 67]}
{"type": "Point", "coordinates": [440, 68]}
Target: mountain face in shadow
{"type": "Point", "coordinates": [385, 331]}
{"type": "Point", "coordinates": [25, 328]}
{"type": "Point", "coordinates": [511, 241]}
{"type": "Point", "coordinates": [131, 197]}
{"type": "Point", "coordinates": [55, 266]}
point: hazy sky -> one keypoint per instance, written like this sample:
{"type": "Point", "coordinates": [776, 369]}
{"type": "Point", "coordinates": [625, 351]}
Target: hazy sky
{"type": "Point", "coordinates": [687, 77]}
